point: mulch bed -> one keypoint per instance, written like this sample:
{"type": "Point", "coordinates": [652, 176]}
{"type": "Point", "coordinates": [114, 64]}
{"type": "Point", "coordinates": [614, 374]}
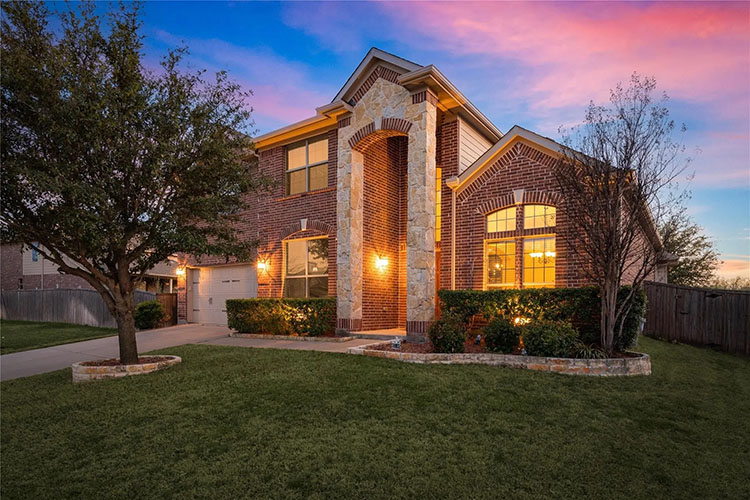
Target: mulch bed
{"type": "Point", "coordinates": [469, 348]}
{"type": "Point", "coordinates": [116, 361]}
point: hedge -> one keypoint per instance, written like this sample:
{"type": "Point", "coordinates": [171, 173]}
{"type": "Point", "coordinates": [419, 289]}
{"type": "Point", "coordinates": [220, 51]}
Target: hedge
{"type": "Point", "coordinates": [148, 314]}
{"type": "Point", "coordinates": [304, 317]}
{"type": "Point", "coordinates": [578, 306]}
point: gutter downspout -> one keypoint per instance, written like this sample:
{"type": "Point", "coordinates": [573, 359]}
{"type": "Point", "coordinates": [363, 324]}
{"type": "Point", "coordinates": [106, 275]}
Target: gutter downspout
{"type": "Point", "coordinates": [452, 183]}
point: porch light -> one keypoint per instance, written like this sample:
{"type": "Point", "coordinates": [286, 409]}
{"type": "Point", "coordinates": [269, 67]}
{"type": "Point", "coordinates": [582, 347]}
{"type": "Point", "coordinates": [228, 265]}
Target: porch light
{"type": "Point", "coordinates": [381, 263]}
{"type": "Point", "coordinates": [262, 266]}
{"type": "Point", "coordinates": [180, 271]}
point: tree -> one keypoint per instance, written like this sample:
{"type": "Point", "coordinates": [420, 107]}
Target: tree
{"type": "Point", "coordinates": [697, 257]}
{"type": "Point", "coordinates": [109, 167]}
{"type": "Point", "coordinates": [617, 175]}
{"type": "Point", "coordinates": [736, 283]}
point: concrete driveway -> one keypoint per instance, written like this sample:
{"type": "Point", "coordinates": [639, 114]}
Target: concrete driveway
{"type": "Point", "coordinates": [48, 359]}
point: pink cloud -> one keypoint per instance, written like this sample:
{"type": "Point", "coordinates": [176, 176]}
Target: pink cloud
{"type": "Point", "coordinates": [732, 268]}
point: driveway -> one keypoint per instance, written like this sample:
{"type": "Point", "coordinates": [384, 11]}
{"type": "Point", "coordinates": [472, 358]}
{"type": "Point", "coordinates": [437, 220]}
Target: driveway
{"type": "Point", "coordinates": [48, 359]}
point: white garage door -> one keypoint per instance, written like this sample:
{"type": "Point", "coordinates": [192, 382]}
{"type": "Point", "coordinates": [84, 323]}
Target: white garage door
{"type": "Point", "coordinates": [212, 286]}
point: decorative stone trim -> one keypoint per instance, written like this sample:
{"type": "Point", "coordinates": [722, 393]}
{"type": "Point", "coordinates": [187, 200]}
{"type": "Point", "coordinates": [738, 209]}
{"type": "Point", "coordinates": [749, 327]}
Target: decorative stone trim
{"type": "Point", "coordinates": [376, 130]}
{"type": "Point", "coordinates": [84, 373]}
{"type": "Point", "coordinates": [289, 337]}
{"type": "Point", "coordinates": [610, 367]}
{"type": "Point", "coordinates": [312, 225]}
{"type": "Point", "coordinates": [379, 72]}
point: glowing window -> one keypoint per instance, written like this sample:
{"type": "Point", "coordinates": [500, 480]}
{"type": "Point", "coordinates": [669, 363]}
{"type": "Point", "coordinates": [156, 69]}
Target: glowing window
{"type": "Point", "coordinates": [306, 268]}
{"type": "Point", "coordinates": [438, 209]}
{"type": "Point", "coordinates": [539, 262]}
{"type": "Point", "coordinates": [502, 220]}
{"type": "Point", "coordinates": [501, 264]}
{"type": "Point", "coordinates": [539, 216]}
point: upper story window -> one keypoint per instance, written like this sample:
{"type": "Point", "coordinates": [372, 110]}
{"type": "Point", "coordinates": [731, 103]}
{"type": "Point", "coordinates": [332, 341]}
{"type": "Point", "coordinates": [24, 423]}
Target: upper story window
{"type": "Point", "coordinates": [535, 216]}
{"type": "Point", "coordinates": [35, 252]}
{"type": "Point", "coordinates": [502, 220]}
{"type": "Point", "coordinates": [306, 268]}
{"type": "Point", "coordinates": [307, 165]}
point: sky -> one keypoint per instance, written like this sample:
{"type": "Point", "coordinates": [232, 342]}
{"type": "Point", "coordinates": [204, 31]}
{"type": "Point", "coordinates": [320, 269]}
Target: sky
{"type": "Point", "coordinates": [537, 65]}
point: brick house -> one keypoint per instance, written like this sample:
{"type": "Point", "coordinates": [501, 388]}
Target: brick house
{"type": "Point", "coordinates": [397, 188]}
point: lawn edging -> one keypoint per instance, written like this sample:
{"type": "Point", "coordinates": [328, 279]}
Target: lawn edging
{"type": "Point", "coordinates": [264, 336]}
{"type": "Point", "coordinates": [86, 373]}
{"type": "Point", "coordinates": [640, 364]}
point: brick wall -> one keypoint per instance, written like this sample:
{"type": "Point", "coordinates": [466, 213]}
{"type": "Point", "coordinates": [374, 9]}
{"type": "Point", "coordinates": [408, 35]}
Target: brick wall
{"type": "Point", "coordinates": [446, 156]}
{"type": "Point", "coordinates": [383, 232]}
{"type": "Point", "coordinates": [11, 266]}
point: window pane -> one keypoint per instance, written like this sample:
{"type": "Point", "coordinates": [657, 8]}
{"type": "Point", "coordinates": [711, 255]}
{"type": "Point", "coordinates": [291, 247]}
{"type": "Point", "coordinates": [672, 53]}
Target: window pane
{"type": "Point", "coordinates": [318, 286]}
{"type": "Point", "coordinates": [318, 151]}
{"type": "Point", "coordinates": [296, 256]}
{"type": "Point", "coordinates": [502, 220]}
{"type": "Point", "coordinates": [539, 216]}
{"type": "Point", "coordinates": [295, 182]}
{"type": "Point", "coordinates": [317, 258]}
{"type": "Point", "coordinates": [295, 287]}
{"type": "Point", "coordinates": [539, 262]}
{"type": "Point", "coordinates": [319, 177]}
{"type": "Point", "coordinates": [295, 156]}
{"type": "Point", "coordinates": [501, 263]}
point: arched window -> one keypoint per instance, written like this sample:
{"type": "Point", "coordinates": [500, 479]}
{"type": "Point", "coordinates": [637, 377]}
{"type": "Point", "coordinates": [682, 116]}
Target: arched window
{"type": "Point", "coordinates": [502, 220]}
{"type": "Point", "coordinates": [535, 216]}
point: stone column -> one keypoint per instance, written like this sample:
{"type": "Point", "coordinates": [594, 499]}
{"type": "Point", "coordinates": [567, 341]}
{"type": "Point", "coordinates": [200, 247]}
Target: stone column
{"type": "Point", "coordinates": [420, 230]}
{"type": "Point", "coordinates": [349, 213]}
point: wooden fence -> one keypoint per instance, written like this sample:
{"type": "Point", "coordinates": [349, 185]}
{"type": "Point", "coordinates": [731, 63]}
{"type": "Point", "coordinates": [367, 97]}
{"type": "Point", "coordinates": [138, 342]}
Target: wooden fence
{"type": "Point", "coordinates": [169, 302]}
{"type": "Point", "coordinates": [79, 306]}
{"type": "Point", "coordinates": [699, 316]}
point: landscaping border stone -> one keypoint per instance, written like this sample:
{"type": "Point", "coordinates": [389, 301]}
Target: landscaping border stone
{"type": "Point", "coordinates": [85, 373]}
{"type": "Point", "coordinates": [639, 364]}
{"type": "Point", "coordinates": [289, 337]}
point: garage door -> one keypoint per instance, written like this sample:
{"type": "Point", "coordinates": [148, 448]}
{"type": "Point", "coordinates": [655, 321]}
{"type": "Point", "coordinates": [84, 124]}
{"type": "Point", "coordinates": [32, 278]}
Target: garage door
{"type": "Point", "coordinates": [212, 286]}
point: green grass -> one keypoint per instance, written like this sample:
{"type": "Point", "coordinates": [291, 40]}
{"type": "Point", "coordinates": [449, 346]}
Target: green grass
{"type": "Point", "coordinates": [24, 335]}
{"type": "Point", "coordinates": [251, 423]}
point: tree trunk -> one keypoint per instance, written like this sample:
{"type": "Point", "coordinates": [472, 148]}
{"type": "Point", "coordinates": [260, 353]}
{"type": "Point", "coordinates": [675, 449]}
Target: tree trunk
{"type": "Point", "coordinates": [608, 312]}
{"type": "Point", "coordinates": [124, 316]}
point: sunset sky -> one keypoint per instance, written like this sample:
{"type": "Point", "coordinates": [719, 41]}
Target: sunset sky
{"type": "Point", "coordinates": [532, 64]}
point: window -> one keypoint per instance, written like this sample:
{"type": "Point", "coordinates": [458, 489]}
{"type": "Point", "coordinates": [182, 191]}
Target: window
{"type": "Point", "coordinates": [539, 262]}
{"type": "Point", "coordinates": [502, 220]}
{"type": "Point", "coordinates": [306, 268]}
{"type": "Point", "coordinates": [539, 216]}
{"type": "Point", "coordinates": [34, 252]}
{"type": "Point", "coordinates": [438, 208]}
{"type": "Point", "coordinates": [307, 165]}
{"type": "Point", "coordinates": [501, 264]}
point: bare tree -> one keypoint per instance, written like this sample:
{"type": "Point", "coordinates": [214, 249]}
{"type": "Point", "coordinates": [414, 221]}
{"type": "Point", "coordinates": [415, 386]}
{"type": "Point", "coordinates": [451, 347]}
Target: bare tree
{"type": "Point", "coordinates": [618, 175]}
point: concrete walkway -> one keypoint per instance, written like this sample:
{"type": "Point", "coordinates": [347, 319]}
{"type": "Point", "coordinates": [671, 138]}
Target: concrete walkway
{"type": "Point", "coordinates": [48, 359]}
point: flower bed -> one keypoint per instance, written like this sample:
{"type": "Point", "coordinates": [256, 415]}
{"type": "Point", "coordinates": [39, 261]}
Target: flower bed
{"type": "Point", "coordinates": [111, 368]}
{"type": "Point", "coordinates": [632, 363]}
{"type": "Point", "coordinates": [264, 336]}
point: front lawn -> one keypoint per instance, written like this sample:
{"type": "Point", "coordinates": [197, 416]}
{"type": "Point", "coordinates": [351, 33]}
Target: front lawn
{"type": "Point", "coordinates": [25, 335]}
{"type": "Point", "coordinates": [250, 423]}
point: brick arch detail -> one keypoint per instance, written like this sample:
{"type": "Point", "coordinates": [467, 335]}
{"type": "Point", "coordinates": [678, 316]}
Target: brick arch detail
{"type": "Point", "coordinates": [529, 198]}
{"type": "Point", "coordinates": [374, 131]}
{"type": "Point", "coordinates": [312, 225]}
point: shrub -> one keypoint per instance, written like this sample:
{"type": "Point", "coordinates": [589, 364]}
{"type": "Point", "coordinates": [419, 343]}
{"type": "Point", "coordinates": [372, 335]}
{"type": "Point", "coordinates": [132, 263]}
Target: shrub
{"type": "Point", "coordinates": [448, 334]}
{"type": "Point", "coordinates": [554, 339]}
{"type": "Point", "coordinates": [149, 314]}
{"type": "Point", "coordinates": [305, 317]}
{"type": "Point", "coordinates": [578, 306]}
{"type": "Point", "coordinates": [587, 351]}
{"type": "Point", "coordinates": [501, 336]}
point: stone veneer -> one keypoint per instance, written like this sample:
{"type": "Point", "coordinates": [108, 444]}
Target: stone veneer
{"type": "Point", "coordinates": [610, 367]}
{"type": "Point", "coordinates": [86, 373]}
{"type": "Point", "coordinates": [384, 110]}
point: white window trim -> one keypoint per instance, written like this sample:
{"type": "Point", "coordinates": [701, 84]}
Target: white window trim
{"type": "Point", "coordinates": [307, 275]}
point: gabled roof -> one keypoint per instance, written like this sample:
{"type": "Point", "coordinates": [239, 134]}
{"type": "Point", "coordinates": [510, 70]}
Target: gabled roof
{"type": "Point", "coordinates": [401, 71]}
{"type": "Point", "coordinates": [373, 56]}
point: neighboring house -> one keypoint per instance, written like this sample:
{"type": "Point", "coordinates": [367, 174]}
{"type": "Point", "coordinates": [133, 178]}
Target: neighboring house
{"type": "Point", "coordinates": [26, 269]}
{"type": "Point", "coordinates": [397, 188]}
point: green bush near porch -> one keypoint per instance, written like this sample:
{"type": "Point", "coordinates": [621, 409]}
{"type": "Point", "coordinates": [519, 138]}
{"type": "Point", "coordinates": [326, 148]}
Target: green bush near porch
{"type": "Point", "coordinates": [578, 306]}
{"type": "Point", "coordinates": [304, 317]}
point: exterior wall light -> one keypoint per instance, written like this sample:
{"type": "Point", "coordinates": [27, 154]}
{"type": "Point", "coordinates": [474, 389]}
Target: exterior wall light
{"type": "Point", "coordinates": [381, 263]}
{"type": "Point", "coordinates": [262, 266]}
{"type": "Point", "coordinates": [180, 271]}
